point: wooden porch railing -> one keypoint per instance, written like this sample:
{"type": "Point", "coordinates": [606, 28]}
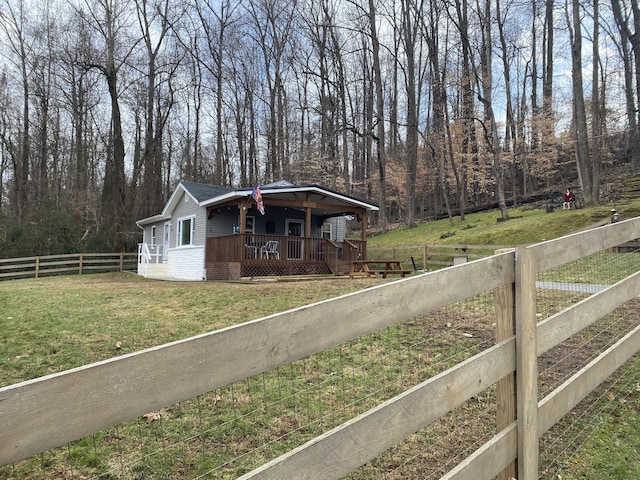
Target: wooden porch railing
{"type": "Point", "coordinates": [259, 249]}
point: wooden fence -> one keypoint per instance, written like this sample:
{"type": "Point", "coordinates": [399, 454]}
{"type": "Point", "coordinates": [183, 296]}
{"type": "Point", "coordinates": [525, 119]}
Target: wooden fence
{"type": "Point", "coordinates": [431, 256]}
{"type": "Point", "coordinates": [13, 268]}
{"type": "Point", "coordinates": [41, 414]}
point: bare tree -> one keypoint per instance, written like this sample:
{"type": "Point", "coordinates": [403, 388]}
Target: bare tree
{"type": "Point", "coordinates": [583, 160]}
{"type": "Point", "coordinates": [77, 87]}
{"type": "Point", "coordinates": [511, 136]}
{"type": "Point", "coordinates": [597, 110]}
{"type": "Point", "coordinates": [411, 10]}
{"type": "Point", "coordinates": [216, 20]}
{"type": "Point", "coordinates": [622, 20]}
{"type": "Point", "coordinates": [436, 137]}
{"type": "Point", "coordinates": [337, 54]}
{"type": "Point", "coordinates": [109, 19]}
{"type": "Point", "coordinates": [13, 21]}
{"type": "Point", "coordinates": [469, 147]}
{"type": "Point", "coordinates": [486, 97]}
{"type": "Point", "coordinates": [320, 80]}
{"type": "Point", "coordinates": [547, 75]}
{"type": "Point", "coordinates": [379, 138]}
{"type": "Point", "coordinates": [272, 32]}
{"type": "Point", "coordinates": [153, 21]}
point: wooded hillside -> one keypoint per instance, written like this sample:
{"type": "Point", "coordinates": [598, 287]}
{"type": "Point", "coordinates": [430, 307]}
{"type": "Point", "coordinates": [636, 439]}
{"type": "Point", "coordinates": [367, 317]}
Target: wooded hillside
{"type": "Point", "coordinates": [425, 108]}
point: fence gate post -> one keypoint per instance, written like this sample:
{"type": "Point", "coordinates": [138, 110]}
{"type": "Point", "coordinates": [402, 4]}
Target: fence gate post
{"type": "Point", "coordinates": [506, 387]}
{"type": "Point", "coordinates": [526, 364]}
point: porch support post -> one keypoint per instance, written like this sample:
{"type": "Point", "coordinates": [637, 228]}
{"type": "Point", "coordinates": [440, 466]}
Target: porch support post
{"type": "Point", "coordinates": [363, 225]}
{"type": "Point", "coordinates": [307, 223]}
{"type": "Point", "coordinates": [242, 206]}
{"type": "Point", "coordinates": [307, 234]}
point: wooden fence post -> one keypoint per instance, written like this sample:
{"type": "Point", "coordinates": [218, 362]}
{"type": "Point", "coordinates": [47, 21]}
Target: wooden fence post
{"type": "Point", "coordinates": [526, 364]}
{"type": "Point", "coordinates": [121, 262]}
{"type": "Point", "coordinates": [37, 266]}
{"type": "Point", "coordinates": [80, 259]}
{"type": "Point", "coordinates": [506, 387]}
{"type": "Point", "coordinates": [425, 257]}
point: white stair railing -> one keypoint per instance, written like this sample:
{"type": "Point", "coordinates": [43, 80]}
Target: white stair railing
{"type": "Point", "coordinates": [144, 255]}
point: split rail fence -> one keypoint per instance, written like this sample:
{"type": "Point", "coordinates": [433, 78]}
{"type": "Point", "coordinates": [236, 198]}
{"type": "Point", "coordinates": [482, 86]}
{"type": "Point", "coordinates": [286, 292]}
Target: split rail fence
{"type": "Point", "coordinates": [40, 266]}
{"type": "Point", "coordinates": [529, 321]}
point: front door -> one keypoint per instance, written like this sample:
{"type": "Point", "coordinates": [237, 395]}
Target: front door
{"type": "Point", "coordinates": [294, 228]}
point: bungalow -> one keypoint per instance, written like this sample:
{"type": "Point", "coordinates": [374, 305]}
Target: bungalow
{"type": "Point", "coordinates": [208, 232]}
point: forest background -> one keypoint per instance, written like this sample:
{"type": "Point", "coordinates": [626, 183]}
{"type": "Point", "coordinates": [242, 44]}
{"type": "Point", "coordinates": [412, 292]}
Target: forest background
{"type": "Point", "coordinates": [427, 108]}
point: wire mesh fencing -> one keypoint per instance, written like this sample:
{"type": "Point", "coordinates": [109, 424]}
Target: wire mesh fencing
{"type": "Point", "coordinates": [233, 430]}
{"type": "Point", "coordinates": [557, 290]}
{"type": "Point", "coordinates": [230, 431]}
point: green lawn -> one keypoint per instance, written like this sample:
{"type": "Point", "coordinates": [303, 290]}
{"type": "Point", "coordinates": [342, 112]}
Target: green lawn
{"type": "Point", "coordinates": [527, 225]}
{"type": "Point", "coordinates": [56, 323]}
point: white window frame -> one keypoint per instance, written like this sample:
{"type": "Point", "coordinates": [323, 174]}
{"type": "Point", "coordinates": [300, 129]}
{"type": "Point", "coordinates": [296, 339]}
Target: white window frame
{"type": "Point", "coordinates": [250, 224]}
{"type": "Point", "coordinates": [153, 235]}
{"type": "Point", "coordinates": [192, 234]}
{"type": "Point", "coordinates": [329, 231]}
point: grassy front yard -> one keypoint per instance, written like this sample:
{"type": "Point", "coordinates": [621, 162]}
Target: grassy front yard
{"type": "Point", "coordinates": [53, 324]}
{"type": "Point", "coordinates": [57, 323]}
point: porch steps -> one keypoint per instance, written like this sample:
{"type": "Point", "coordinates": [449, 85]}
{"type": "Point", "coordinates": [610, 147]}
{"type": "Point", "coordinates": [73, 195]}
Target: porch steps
{"type": "Point", "coordinates": [343, 268]}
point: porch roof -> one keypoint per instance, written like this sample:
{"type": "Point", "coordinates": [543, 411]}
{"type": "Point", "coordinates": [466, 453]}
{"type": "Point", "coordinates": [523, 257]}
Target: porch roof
{"type": "Point", "coordinates": [322, 201]}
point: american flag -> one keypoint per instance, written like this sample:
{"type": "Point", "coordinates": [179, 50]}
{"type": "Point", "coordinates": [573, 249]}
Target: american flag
{"type": "Point", "coordinates": [257, 196]}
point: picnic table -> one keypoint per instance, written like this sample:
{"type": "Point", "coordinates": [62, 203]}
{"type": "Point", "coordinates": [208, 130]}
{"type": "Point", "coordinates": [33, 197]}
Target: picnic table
{"type": "Point", "coordinates": [368, 268]}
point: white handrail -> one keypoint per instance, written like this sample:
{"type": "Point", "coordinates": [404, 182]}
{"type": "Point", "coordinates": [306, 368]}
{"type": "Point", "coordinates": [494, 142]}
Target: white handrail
{"type": "Point", "coordinates": [144, 255]}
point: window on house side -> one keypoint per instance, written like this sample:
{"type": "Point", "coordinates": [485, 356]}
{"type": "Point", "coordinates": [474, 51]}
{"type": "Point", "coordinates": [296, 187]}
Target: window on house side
{"type": "Point", "coordinates": [153, 235]}
{"type": "Point", "coordinates": [186, 231]}
{"type": "Point", "coordinates": [326, 230]}
{"type": "Point", "coordinates": [249, 226]}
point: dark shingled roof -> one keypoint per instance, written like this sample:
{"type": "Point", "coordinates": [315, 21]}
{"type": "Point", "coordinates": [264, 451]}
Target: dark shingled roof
{"type": "Point", "coordinates": [202, 192]}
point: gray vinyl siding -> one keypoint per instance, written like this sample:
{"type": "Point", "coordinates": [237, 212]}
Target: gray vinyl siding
{"type": "Point", "coordinates": [341, 228]}
{"type": "Point", "coordinates": [187, 207]}
{"type": "Point", "coordinates": [222, 221]}
{"type": "Point", "coordinates": [146, 233]}
{"type": "Point", "coordinates": [338, 228]}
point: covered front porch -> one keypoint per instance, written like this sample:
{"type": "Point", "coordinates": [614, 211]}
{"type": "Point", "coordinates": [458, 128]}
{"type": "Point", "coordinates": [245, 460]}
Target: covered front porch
{"type": "Point", "coordinates": [254, 255]}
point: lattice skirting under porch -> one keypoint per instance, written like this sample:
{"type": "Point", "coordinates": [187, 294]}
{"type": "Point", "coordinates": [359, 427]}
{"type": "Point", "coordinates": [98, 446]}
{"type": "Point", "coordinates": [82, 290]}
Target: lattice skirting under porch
{"type": "Point", "coordinates": [283, 268]}
{"type": "Point", "coordinates": [258, 268]}
{"type": "Point", "coordinates": [224, 271]}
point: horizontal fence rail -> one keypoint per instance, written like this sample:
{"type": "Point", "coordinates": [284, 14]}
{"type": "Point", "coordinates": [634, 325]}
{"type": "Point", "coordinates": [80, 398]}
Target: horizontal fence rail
{"type": "Point", "coordinates": [431, 256]}
{"type": "Point", "coordinates": [82, 401]}
{"type": "Point", "coordinates": [13, 268]}
{"type": "Point", "coordinates": [531, 321]}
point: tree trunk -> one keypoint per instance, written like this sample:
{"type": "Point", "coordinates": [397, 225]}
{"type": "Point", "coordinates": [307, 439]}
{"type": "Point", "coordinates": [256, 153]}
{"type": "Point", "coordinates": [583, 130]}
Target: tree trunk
{"type": "Point", "coordinates": [633, 136]}
{"type": "Point", "coordinates": [493, 139]}
{"type": "Point", "coordinates": [114, 216]}
{"type": "Point", "coordinates": [581, 140]}
{"type": "Point", "coordinates": [380, 129]}
{"type": "Point", "coordinates": [596, 109]}
{"type": "Point", "coordinates": [411, 149]}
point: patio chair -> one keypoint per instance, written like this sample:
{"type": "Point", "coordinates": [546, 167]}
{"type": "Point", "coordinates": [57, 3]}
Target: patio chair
{"type": "Point", "coordinates": [251, 250]}
{"type": "Point", "coordinates": [270, 250]}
